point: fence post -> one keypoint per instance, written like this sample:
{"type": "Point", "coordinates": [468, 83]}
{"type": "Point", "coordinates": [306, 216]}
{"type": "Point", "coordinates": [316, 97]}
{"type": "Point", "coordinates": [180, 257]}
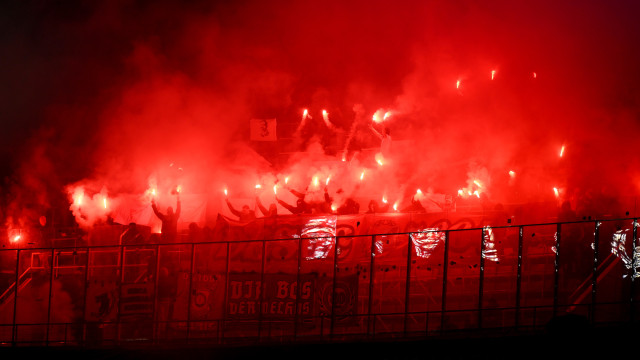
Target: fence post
{"type": "Point", "coordinates": [193, 265]}
{"type": "Point", "coordinates": [633, 271]}
{"type": "Point", "coordinates": [262, 288]}
{"type": "Point", "coordinates": [596, 243]}
{"type": "Point", "coordinates": [481, 278]}
{"type": "Point", "coordinates": [444, 280]}
{"type": "Point", "coordinates": [49, 299]}
{"type": "Point", "coordinates": [371, 279]}
{"type": "Point", "coordinates": [296, 318]}
{"type": "Point", "coordinates": [407, 295]}
{"type": "Point", "coordinates": [519, 277]}
{"type": "Point", "coordinates": [226, 295]}
{"type": "Point", "coordinates": [333, 290]}
{"type": "Point", "coordinates": [84, 304]}
{"type": "Point", "coordinates": [154, 317]}
{"type": "Point", "coordinates": [556, 265]}
{"type": "Point", "coordinates": [14, 335]}
{"type": "Point", "coordinates": [122, 259]}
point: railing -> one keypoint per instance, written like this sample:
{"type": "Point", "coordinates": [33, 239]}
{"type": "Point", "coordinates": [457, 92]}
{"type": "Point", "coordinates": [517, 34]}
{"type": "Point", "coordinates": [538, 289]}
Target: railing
{"type": "Point", "coordinates": [428, 283]}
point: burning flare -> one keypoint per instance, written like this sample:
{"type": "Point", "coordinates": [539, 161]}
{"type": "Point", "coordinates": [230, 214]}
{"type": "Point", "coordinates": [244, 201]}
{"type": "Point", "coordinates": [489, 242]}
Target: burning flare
{"type": "Point", "coordinates": [225, 192]}
{"type": "Point", "coordinates": [493, 74]}
{"type": "Point", "coordinates": [362, 175]}
{"type": "Point", "coordinates": [556, 192]}
{"type": "Point", "coordinates": [458, 84]}
{"type": "Point", "coordinates": [562, 151]}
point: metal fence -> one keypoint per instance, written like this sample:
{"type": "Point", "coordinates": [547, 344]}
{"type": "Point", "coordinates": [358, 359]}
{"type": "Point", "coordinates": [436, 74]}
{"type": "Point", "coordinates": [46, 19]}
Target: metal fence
{"type": "Point", "coordinates": [426, 283]}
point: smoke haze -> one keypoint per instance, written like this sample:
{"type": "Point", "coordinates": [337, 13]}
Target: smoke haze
{"type": "Point", "coordinates": [121, 97]}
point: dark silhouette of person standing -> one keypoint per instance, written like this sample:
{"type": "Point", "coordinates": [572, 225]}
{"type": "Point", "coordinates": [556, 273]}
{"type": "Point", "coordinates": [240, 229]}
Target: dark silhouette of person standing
{"type": "Point", "coordinates": [169, 230]}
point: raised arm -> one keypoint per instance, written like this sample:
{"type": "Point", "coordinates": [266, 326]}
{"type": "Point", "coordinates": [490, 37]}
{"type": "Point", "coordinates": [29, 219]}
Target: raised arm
{"type": "Point", "coordinates": [233, 211]}
{"type": "Point", "coordinates": [155, 211]}
{"type": "Point", "coordinates": [296, 193]}
{"type": "Point", "coordinates": [264, 210]}
{"type": "Point", "coordinates": [293, 210]}
{"type": "Point", "coordinates": [178, 207]}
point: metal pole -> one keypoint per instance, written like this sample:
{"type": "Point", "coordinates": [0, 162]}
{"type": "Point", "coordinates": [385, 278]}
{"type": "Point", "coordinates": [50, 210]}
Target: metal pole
{"type": "Point", "coordinates": [407, 295]}
{"type": "Point", "coordinates": [262, 287]}
{"type": "Point", "coordinates": [84, 305]}
{"type": "Point", "coordinates": [14, 335]}
{"type": "Point", "coordinates": [122, 258]}
{"type": "Point", "coordinates": [193, 265]}
{"type": "Point", "coordinates": [633, 270]}
{"type": "Point", "coordinates": [333, 290]}
{"type": "Point", "coordinates": [444, 280]}
{"type": "Point", "coordinates": [226, 295]}
{"type": "Point", "coordinates": [49, 302]}
{"type": "Point", "coordinates": [556, 265]}
{"type": "Point", "coordinates": [519, 276]}
{"type": "Point", "coordinates": [481, 278]}
{"type": "Point", "coordinates": [371, 279]}
{"type": "Point", "coordinates": [155, 294]}
{"type": "Point", "coordinates": [596, 242]}
{"type": "Point", "coordinates": [298, 291]}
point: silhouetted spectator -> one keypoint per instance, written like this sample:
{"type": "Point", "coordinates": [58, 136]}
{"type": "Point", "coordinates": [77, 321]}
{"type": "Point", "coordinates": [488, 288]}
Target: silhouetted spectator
{"type": "Point", "coordinates": [271, 212]}
{"type": "Point", "coordinates": [245, 215]}
{"type": "Point", "coordinates": [169, 220]}
{"type": "Point", "coordinates": [374, 207]}
{"type": "Point", "coordinates": [301, 206]}
{"type": "Point", "coordinates": [350, 206]}
{"type": "Point", "coordinates": [131, 236]}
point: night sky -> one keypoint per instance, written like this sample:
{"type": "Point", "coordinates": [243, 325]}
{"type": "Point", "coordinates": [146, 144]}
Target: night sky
{"type": "Point", "coordinates": [107, 94]}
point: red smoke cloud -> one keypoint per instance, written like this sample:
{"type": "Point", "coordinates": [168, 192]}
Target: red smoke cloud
{"type": "Point", "coordinates": [137, 87]}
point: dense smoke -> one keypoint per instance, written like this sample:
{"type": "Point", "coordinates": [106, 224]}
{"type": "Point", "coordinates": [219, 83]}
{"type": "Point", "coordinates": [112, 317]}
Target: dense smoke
{"type": "Point", "coordinates": [121, 99]}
